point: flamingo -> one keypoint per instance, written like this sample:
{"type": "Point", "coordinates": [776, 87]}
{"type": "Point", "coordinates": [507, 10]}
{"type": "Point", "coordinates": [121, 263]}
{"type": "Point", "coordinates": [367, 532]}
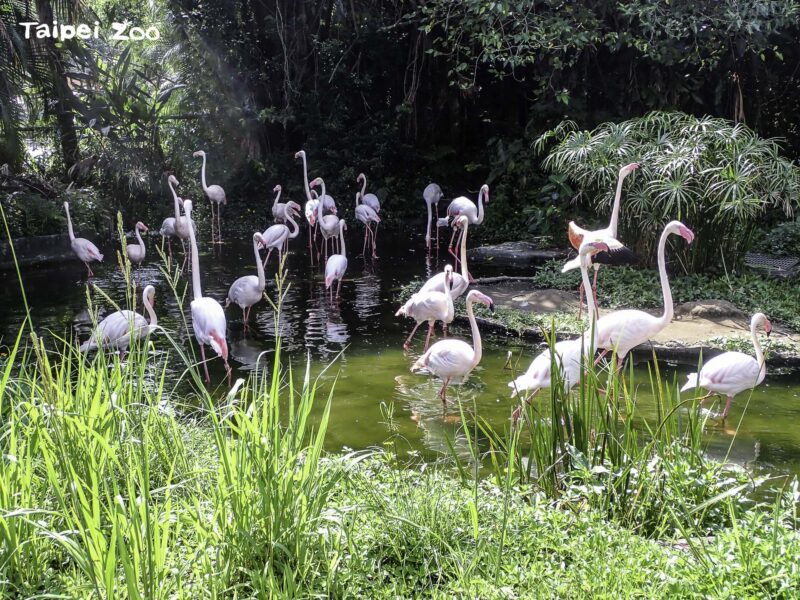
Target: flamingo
{"type": "Point", "coordinates": [336, 264]}
{"type": "Point", "coordinates": [216, 196]}
{"type": "Point", "coordinates": [83, 248]}
{"type": "Point", "coordinates": [464, 206]}
{"type": "Point", "coordinates": [430, 306]}
{"type": "Point", "coordinates": [120, 327]}
{"type": "Point", "coordinates": [568, 353]}
{"type": "Point", "coordinates": [459, 282]}
{"type": "Point", "coordinates": [279, 208]}
{"type": "Point", "coordinates": [248, 290]}
{"type": "Point", "coordinates": [208, 317]}
{"type": "Point", "coordinates": [275, 236]}
{"type": "Point", "coordinates": [370, 200]}
{"type": "Point", "coordinates": [454, 359]}
{"type": "Point", "coordinates": [328, 224]}
{"type": "Point", "coordinates": [311, 217]}
{"type": "Point", "coordinates": [626, 329]}
{"type": "Point", "coordinates": [136, 252]}
{"type": "Point", "coordinates": [432, 194]}
{"type": "Point", "coordinates": [618, 254]}
{"type": "Point", "coordinates": [367, 215]}
{"type": "Point", "coordinates": [731, 373]}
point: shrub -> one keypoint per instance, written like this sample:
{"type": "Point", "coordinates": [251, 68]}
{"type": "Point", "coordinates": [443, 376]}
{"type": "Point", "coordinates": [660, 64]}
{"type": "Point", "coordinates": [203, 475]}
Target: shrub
{"type": "Point", "coordinates": [782, 240]}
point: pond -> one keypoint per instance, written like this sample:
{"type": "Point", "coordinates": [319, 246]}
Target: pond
{"type": "Point", "coordinates": [363, 338]}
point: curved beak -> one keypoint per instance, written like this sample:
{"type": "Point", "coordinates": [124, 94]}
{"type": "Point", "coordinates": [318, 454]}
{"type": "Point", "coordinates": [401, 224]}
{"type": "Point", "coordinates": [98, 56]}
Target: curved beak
{"type": "Point", "coordinates": [491, 307]}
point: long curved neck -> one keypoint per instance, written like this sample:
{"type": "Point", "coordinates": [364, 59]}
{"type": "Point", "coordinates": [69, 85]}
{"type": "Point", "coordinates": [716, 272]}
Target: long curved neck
{"type": "Point", "coordinates": [464, 270]}
{"type": "Point", "coordinates": [274, 202]}
{"type": "Point", "coordinates": [480, 208]}
{"type": "Point", "coordinates": [261, 281]}
{"type": "Point", "coordinates": [762, 365]}
{"type": "Point", "coordinates": [177, 203]}
{"type": "Point", "coordinates": [358, 196]}
{"type": "Point", "coordinates": [305, 177]}
{"type": "Point", "coordinates": [427, 233]}
{"type": "Point", "coordinates": [615, 209]}
{"type": "Point", "coordinates": [196, 291]}
{"type": "Point", "coordinates": [321, 201]}
{"type": "Point", "coordinates": [295, 227]}
{"type": "Point", "coordinates": [69, 224]}
{"type": "Point", "coordinates": [140, 240]}
{"type": "Point", "coordinates": [341, 240]}
{"type": "Point", "coordinates": [150, 312]}
{"type": "Point", "coordinates": [203, 174]}
{"type": "Point", "coordinates": [589, 301]}
{"type": "Point", "coordinates": [364, 186]}
{"type": "Point", "coordinates": [476, 334]}
{"type": "Point", "coordinates": [662, 271]}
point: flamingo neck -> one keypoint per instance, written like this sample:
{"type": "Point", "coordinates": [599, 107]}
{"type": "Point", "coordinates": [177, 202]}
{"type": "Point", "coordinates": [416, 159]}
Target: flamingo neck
{"type": "Point", "coordinates": [341, 240]}
{"type": "Point", "coordinates": [464, 269]}
{"type": "Point", "coordinates": [150, 312]}
{"type": "Point", "coordinates": [615, 209]}
{"type": "Point", "coordinates": [176, 202]}
{"type": "Point", "coordinates": [203, 175]}
{"type": "Point", "coordinates": [140, 240]}
{"type": "Point", "coordinates": [305, 178]}
{"type": "Point", "coordinates": [295, 227]}
{"type": "Point", "coordinates": [590, 303]}
{"type": "Point", "coordinates": [69, 223]}
{"type": "Point", "coordinates": [762, 364]}
{"type": "Point", "coordinates": [364, 186]}
{"type": "Point", "coordinates": [274, 202]}
{"type": "Point", "coordinates": [476, 334]}
{"type": "Point", "coordinates": [259, 267]}
{"type": "Point", "coordinates": [358, 195]}
{"type": "Point", "coordinates": [662, 271]}
{"type": "Point", "coordinates": [196, 291]}
{"type": "Point", "coordinates": [427, 233]}
{"type": "Point", "coordinates": [321, 200]}
{"type": "Point", "coordinates": [479, 220]}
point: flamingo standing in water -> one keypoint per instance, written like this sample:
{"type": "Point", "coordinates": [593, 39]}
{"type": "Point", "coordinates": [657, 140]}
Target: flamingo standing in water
{"type": "Point", "coordinates": [618, 254]}
{"type": "Point", "coordinates": [459, 282]}
{"type": "Point", "coordinates": [328, 224]}
{"type": "Point", "coordinates": [731, 373]}
{"type": "Point", "coordinates": [430, 306]}
{"type": "Point", "coordinates": [311, 217]}
{"type": "Point", "coordinates": [136, 252]}
{"type": "Point", "coordinates": [463, 206]}
{"type": "Point", "coordinates": [83, 248]}
{"type": "Point", "coordinates": [372, 201]}
{"type": "Point", "coordinates": [367, 216]}
{"type": "Point", "coordinates": [279, 208]}
{"type": "Point", "coordinates": [248, 290]}
{"type": "Point", "coordinates": [336, 264]}
{"type": "Point", "coordinates": [216, 196]}
{"type": "Point", "coordinates": [276, 236]}
{"type": "Point", "coordinates": [454, 360]}
{"type": "Point", "coordinates": [119, 328]}
{"type": "Point", "coordinates": [177, 226]}
{"type": "Point", "coordinates": [208, 317]}
{"type": "Point", "coordinates": [623, 330]}
{"type": "Point", "coordinates": [569, 354]}
{"type": "Point", "coordinates": [432, 194]}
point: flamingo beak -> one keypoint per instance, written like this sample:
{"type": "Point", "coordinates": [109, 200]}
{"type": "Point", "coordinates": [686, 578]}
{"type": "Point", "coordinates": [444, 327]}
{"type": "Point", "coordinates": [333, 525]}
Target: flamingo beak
{"type": "Point", "coordinates": [768, 328]}
{"type": "Point", "coordinates": [491, 307]}
{"type": "Point", "coordinates": [687, 234]}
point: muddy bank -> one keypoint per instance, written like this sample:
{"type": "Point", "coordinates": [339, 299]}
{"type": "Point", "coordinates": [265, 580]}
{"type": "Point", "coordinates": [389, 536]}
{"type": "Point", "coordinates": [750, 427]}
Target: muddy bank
{"type": "Point", "coordinates": [36, 250]}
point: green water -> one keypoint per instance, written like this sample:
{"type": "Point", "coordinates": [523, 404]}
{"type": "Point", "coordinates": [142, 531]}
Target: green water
{"type": "Point", "coordinates": [359, 342]}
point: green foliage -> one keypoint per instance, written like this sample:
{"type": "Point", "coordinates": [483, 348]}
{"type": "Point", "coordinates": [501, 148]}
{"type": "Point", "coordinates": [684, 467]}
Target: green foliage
{"type": "Point", "coordinates": [781, 240]}
{"type": "Point", "coordinates": [718, 177]}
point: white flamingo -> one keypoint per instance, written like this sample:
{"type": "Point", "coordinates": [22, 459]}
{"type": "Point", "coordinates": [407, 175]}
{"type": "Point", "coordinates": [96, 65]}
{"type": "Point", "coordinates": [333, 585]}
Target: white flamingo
{"type": "Point", "coordinates": [453, 360]}
{"type": "Point", "coordinates": [83, 248]}
{"type": "Point", "coordinates": [459, 282]}
{"type": "Point", "coordinates": [276, 236]}
{"type": "Point", "coordinates": [311, 217]}
{"type": "Point", "coordinates": [623, 330]}
{"type": "Point", "coordinates": [367, 216]}
{"type": "Point", "coordinates": [136, 252]}
{"type": "Point", "coordinates": [370, 200]}
{"type": "Point", "coordinates": [328, 224]}
{"type": "Point", "coordinates": [618, 253]}
{"type": "Point", "coordinates": [432, 194]}
{"type": "Point", "coordinates": [731, 373]}
{"type": "Point", "coordinates": [248, 290]}
{"type": "Point", "coordinates": [279, 208]}
{"type": "Point", "coordinates": [336, 265]}
{"type": "Point", "coordinates": [216, 196]}
{"type": "Point", "coordinates": [208, 317]}
{"type": "Point", "coordinates": [466, 207]}
{"type": "Point", "coordinates": [119, 328]}
{"type": "Point", "coordinates": [430, 306]}
{"type": "Point", "coordinates": [569, 353]}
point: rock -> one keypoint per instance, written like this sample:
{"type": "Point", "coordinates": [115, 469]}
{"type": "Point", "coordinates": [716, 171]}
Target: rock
{"type": "Point", "coordinates": [514, 254]}
{"type": "Point", "coordinates": [37, 250]}
{"type": "Point", "coordinates": [709, 309]}
{"type": "Point", "coordinates": [545, 301]}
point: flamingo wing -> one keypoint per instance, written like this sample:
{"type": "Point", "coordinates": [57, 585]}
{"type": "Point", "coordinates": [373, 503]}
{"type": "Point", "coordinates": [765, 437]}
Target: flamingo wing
{"type": "Point", "coordinates": [731, 373]}
{"type": "Point", "coordinates": [450, 359]}
{"type": "Point", "coordinates": [372, 201]}
{"type": "Point", "coordinates": [209, 324]}
{"type": "Point", "coordinates": [168, 227]}
{"type": "Point", "coordinates": [245, 291]}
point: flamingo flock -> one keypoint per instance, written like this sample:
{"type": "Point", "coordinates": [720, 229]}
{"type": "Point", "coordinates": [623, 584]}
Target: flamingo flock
{"type": "Point", "coordinates": [450, 360]}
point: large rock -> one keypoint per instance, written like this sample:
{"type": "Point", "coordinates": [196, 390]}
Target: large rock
{"type": "Point", "coordinates": [513, 254]}
{"type": "Point", "coordinates": [709, 309]}
{"type": "Point", "coordinates": [37, 250]}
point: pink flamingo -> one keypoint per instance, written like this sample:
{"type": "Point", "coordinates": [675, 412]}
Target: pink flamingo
{"type": "Point", "coordinates": [372, 201]}
{"type": "Point", "coordinates": [367, 216]}
{"type": "Point", "coordinates": [136, 252]}
{"type": "Point", "coordinates": [453, 360]}
{"type": "Point", "coordinates": [432, 194]}
{"type": "Point", "coordinates": [279, 208]}
{"type": "Point", "coordinates": [248, 290]}
{"type": "Point", "coordinates": [430, 306]}
{"type": "Point", "coordinates": [328, 224]}
{"type": "Point", "coordinates": [119, 328]}
{"type": "Point", "coordinates": [275, 236]}
{"type": "Point", "coordinates": [216, 196]}
{"type": "Point", "coordinates": [83, 248]}
{"type": "Point", "coordinates": [731, 373]}
{"type": "Point", "coordinates": [463, 206]}
{"type": "Point", "coordinates": [459, 282]}
{"type": "Point", "coordinates": [336, 264]}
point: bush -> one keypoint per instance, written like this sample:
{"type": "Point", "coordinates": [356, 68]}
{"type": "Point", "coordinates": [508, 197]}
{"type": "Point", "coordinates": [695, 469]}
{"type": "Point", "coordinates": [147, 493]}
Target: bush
{"type": "Point", "coordinates": [717, 176]}
{"type": "Point", "coordinates": [782, 240]}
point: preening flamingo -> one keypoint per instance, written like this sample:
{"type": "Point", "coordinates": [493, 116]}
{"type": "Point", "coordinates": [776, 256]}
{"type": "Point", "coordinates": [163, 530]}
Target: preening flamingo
{"type": "Point", "coordinates": [248, 290]}
{"type": "Point", "coordinates": [216, 196]}
{"type": "Point", "coordinates": [83, 248]}
{"type": "Point", "coordinates": [328, 224]}
{"type": "Point", "coordinates": [731, 373]}
{"type": "Point", "coordinates": [208, 317]}
{"type": "Point", "coordinates": [569, 354]}
{"type": "Point", "coordinates": [177, 226]}
{"type": "Point", "coordinates": [279, 208]}
{"type": "Point", "coordinates": [336, 264]}
{"type": "Point", "coordinates": [311, 205]}
{"type": "Point", "coordinates": [136, 252]}
{"type": "Point", "coordinates": [453, 360]}
{"type": "Point", "coordinates": [623, 330]}
{"type": "Point", "coordinates": [275, 236]}
{"type": "Point", "coordinates": [367, 216]}
{"type": "Point", "coordinates": [618, 254]}
{"type": "Point", "coordinates": [120, 327]}
{"type": "Point", "coordinates": [372, 201]}
{"type": "Point", "coordinates": [432, 194]}
{"type": "Point", "coordinates": [459, 282]}
{"type": "Point", "coordinates": [463, 206]}
{"type": "Point", "coordinates": [430, 306]}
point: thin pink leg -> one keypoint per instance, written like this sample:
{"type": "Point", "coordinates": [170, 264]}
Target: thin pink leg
{"type": "Point", "coordinates": [428, 337]}
{"type": "Point", "coordinates": [407, 343]}
{"type": "Point", "coordinates": [375, 241]}
{"type": "Point", "coordinates": [339, 287]}
{"type": "Point", "coordinates": [366, 233]}
{"type": "Point", "coordinates": [267, 259]}
{"type": "Point", "coordinates": [205, 365]}
{"type": "Point", "coordinates": [599, 358]}
{"type": "Point", "coordinates": [727, 408]}
{"type": "Point", "coordinates": [443, 391]}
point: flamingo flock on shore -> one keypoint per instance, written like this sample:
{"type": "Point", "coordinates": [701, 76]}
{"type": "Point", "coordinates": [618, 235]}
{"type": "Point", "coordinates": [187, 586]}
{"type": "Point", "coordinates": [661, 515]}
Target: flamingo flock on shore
{"type": "Point", "coordinates": [451, 360]}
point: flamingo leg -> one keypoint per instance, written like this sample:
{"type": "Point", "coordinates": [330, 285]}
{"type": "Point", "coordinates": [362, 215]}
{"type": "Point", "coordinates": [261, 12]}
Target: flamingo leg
{"type": "Point", "coordinates": [266, 259]}
{"type": "Point", "coordinates": [375, 241]}
{"type": "Point", "coordinates": [450, 245]}
{"type": "Point", "coordinates": [727, 407]}
{"type": "Point", "coordinates": [444, 329]}
{"type": "Point", "coordinates": [599, 358]}
{"type": "Point", "coordinates": [205, 364]}
{"type": "Point", "coordinates": [407, 343]}
{"type": "Point", "coordinates": [580, 300]}
{"type": "Point", "coordinates": [518, 410]}
{"type": "Point", "coordinates": [338, 288]}
{"type": "Point", "coordinates": [437, 228]}
{"type": "Point", "coordinates": [594, 291]}
{"type": "Point", "coordinates": [89, 270]}
{"type": "Point", "coordinates": [443, 391]}
{"type": "Point", "coordinates": [428, 337]}
{"type": "Point", "coordinates": [366, 234]}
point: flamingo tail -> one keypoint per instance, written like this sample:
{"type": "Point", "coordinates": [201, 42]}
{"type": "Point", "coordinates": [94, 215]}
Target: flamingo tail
{"type": "Point", "coordinates": [691, 382]}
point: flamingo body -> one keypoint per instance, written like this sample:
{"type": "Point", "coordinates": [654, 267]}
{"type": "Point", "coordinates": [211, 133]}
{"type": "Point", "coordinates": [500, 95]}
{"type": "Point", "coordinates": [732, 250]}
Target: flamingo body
{"type": "Point", "coordinates": [118, 329]}
{"type": "Point", "coordinates": [83, 248]}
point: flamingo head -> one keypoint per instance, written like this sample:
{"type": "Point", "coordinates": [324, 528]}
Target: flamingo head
{"type": "Point", "coordinates": [760, 319]}
{"type": "Point", "coordinates": [628, 169]}
{"type": "Point", "coordinates": [300, 154]}
{"type": "Point", "coordinates": [460, 222]}
{"type": "Point", "coordinates": [277, 188]}
{"type": "Point", "coordinates": [150, 294]}
{"type": "Point", "coordinates": [294, 206]}
{"type": "Point", "coordinates": [686, 233]}
{"type": "Point", "coordinates": [173, 180]}
{"type": "Point", "coordinates": [485, 192]}
{"type": "Point", "coordinates": [476, 296]}
{"type": "Point", "coordinates": [315, 182]}
{"type": "Point", "coordinates": [199, 153]}
{"type": "Point", "coordinates": [187, 207]}
{"type": "Point", "coordinates": [448, 274]}
{"type": "Point", "coordinates": [361, 177]}
{"type": "Point", "coordinates": [259, 239]}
